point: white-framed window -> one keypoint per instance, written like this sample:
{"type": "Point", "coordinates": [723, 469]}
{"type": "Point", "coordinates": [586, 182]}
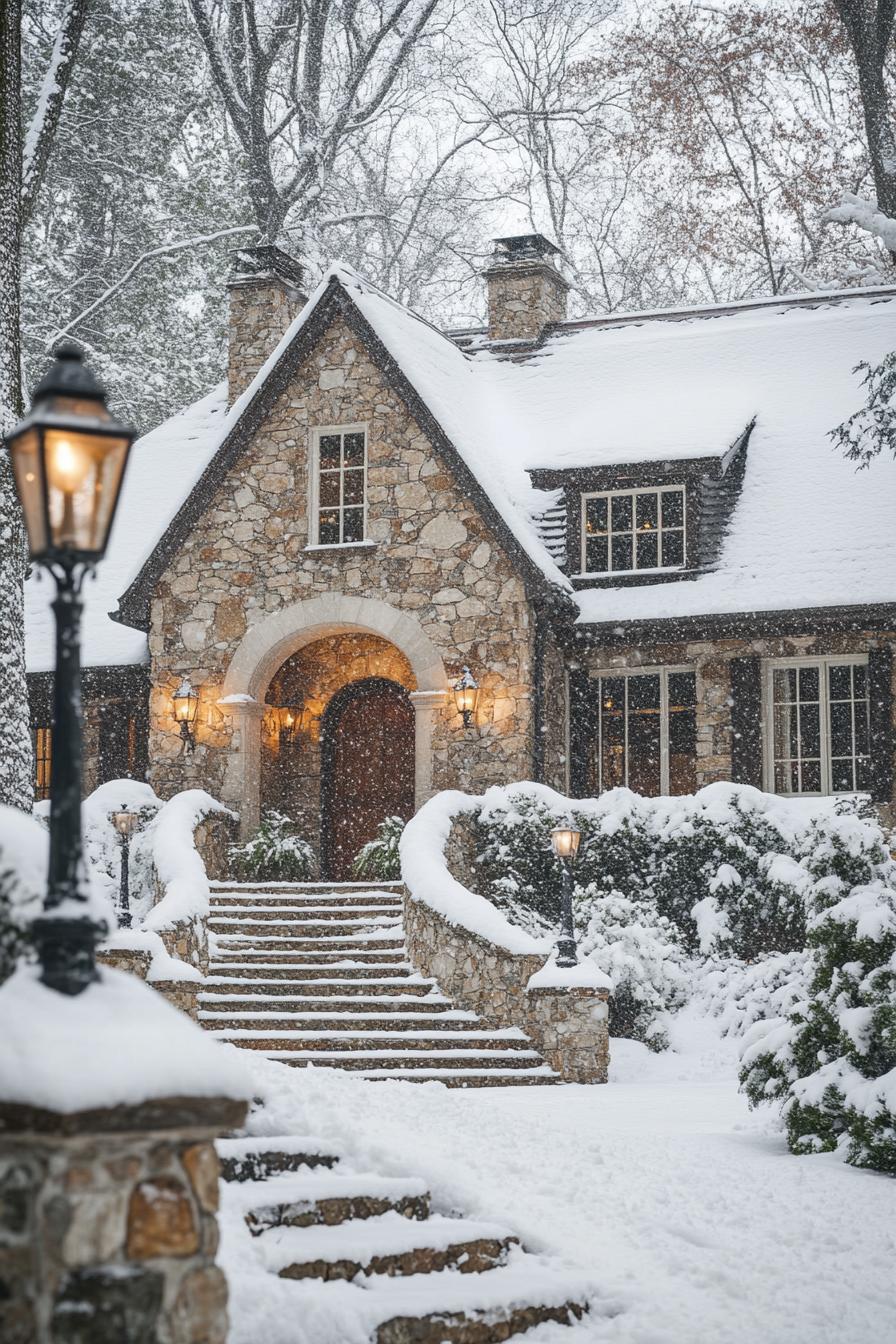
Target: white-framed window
{"type": "Point", "coordinates": [339, 485]}
{"type": "Point", "coordinates": [646, 732]}
{"type": "Point", "coordinates": [629, 531]}
{"type": "Point", "coordinates": [817, 729]}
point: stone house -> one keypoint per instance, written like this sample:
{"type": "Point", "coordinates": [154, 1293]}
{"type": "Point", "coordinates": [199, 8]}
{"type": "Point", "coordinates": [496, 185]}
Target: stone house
{"type": "Point", "coordinates": [634, 531]}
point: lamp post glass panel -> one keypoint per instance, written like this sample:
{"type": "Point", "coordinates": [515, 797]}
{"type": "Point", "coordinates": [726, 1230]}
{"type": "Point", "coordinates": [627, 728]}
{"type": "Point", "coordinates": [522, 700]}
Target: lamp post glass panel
{"type": "Point", "coordinates": [68, 460]}
{"type": "Point", "coordinates": [565, 843]}
{"type": "Point", "coordinates": [125, 823]}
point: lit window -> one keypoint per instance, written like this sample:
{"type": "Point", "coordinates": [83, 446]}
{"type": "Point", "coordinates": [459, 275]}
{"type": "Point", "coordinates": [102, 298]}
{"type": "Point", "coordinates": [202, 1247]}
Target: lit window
{"type": "Point", "coordinates": [819, 726]}
{"type": "Point", "coordinates": [341, 486]}
{"type": "Point", "coordinates": [646, 738]}
{"type": "Point", "coordinates": [42, 742]}
{"type": "Point", "coordinates": [625, 531]}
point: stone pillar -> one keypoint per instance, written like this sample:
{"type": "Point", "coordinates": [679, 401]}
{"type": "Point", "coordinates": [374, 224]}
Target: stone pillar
{"type": "Point", "coordinates": [108, 1231]}
{"type": "Point", "coordinates": [242, 779]}
{"type": "Point", "coordinates": [569, 1028]}
{"type": "Point", "coordinates": [426, 705]}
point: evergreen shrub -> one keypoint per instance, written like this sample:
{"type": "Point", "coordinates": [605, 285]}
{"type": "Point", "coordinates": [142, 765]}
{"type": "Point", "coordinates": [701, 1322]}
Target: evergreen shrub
{"type": "Point", "coordinates": [275, 853]}
{"type": "Point", "coordinates": [379, 859]}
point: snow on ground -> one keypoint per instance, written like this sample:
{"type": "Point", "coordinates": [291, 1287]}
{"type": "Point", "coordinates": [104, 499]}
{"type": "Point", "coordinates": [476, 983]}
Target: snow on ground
{"type": "Point", "coordinates": [685, 1208]}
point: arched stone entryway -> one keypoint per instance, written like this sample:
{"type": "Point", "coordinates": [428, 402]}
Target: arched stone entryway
{"type": "Point", "coordinates": [268, 645]}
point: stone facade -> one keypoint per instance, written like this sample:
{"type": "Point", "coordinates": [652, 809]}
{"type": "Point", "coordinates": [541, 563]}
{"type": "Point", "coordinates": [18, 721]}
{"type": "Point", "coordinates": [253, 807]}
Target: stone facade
{"type": "Point", "coordinates": [430, 560]}
{"type": "Point", "coordinates": [108, 1229]}
{"type": "Point", "coordinates": [711, 660]}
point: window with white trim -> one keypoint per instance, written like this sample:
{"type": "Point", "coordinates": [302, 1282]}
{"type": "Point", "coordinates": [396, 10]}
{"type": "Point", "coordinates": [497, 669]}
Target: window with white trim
{"type": "Point", "coordinates": [339, 498]}
{"type": "Point", "coordinates": [817, 725]}
{"type": "Point", "coordinates": [646, 732]}
{"type": "Point", "coordinates": [627, 531]}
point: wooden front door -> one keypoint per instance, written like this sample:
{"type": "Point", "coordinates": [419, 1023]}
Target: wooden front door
{"type": "Point", "coordinates": [367, 768]}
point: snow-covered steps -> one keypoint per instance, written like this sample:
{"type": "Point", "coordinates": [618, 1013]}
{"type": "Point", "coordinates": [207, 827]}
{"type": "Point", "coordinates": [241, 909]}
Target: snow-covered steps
{"type": "Point", "coordinates": [319, 976]}
{"type": "Point", "coordinates": [366, 1252]}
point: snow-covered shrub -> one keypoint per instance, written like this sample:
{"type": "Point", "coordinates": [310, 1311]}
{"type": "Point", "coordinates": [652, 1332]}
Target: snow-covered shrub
{"type": "Point", "coordinates": [102, 843]}
{"type": "Point", "coordinates": [23, 880]}
{"type": "Point", "coordinates": [379, 858]}
{"type": "Point", "coordinates": [831, 1060]}
{"type": "Point", "coordinates": [640, 950]}
{"type": "Point", "coordinates": [739, 993]}
{"type": "Point", "coordinates": [276, 853]}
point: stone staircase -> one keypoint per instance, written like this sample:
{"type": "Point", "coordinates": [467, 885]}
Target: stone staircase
{"type": "Point", "coordinates": [365, 1255]}
{"type": "Point", "coordinates": [318, 974]}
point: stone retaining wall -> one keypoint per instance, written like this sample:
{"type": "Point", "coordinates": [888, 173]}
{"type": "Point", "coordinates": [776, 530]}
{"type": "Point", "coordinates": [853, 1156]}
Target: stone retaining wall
{"type": "Point", "coordinates": [108, 1233]}
{"type": "Point", "coordinates": [182, 994]}
{"type": "Point", "coordinates": [568, 1026]}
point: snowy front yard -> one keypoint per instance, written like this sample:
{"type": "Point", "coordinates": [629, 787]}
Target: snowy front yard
{"type": "Point", "coordinates": [684, 1209]}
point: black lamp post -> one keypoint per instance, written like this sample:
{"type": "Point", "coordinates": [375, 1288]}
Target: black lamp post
{"type": "Point", "coordinates": [125, 823]}
{"type": "Point", "coordinates": [68, 459]}
{"type": "Point", "coordinates": [565, 843]}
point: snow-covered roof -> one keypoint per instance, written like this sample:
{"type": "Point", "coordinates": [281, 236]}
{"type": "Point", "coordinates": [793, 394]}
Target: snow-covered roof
{"type": "Point", "coordinates": [164, 466]}
{"type": "Point", "coordinates": [807, 530]}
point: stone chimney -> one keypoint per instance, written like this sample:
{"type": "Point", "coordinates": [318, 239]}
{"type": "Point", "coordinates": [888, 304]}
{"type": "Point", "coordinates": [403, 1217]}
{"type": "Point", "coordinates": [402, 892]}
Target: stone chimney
{"type": "Point", "coordinates": [525, 289]}
{"type": "Point", "coordinates": [266, 291]}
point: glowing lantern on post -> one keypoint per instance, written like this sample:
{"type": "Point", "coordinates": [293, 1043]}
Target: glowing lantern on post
{"type": "Point", "coordinates": [186, 708]}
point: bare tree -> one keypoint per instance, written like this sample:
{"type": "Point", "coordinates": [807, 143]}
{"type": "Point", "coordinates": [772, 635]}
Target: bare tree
{"type": "Point", "coordinates": [19, 185]}
{"type": "Point", "coordinates": [299, 80]}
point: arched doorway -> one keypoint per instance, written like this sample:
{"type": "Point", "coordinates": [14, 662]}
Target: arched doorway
{"type": "Point", "coordinates": [367, 768]}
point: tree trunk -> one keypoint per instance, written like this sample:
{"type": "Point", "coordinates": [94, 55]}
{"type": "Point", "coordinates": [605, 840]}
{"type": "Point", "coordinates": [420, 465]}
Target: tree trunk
{"type": "Point", "coordinates": [16, 788]}
{"type": "Point", "coordinates": [869, 27]}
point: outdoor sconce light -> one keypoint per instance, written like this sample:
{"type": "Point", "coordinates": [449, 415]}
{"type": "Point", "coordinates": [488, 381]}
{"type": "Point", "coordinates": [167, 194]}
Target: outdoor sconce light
{"type": "Point", "coordinates": [186, 708]}
{"type": "Point", "coordinates": [565, 844]}
{"type": "Point", "coordinates": [466, 695]}
{"type": "Point", "coordinates": [125, 823]}
{"type": "Point", "coordinates": [68, 458]}
{"type": "Point", "coordinates": [291, 723]}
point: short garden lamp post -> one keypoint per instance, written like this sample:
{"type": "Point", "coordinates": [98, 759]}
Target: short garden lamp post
{"type": "Point", "coordinates": [466, 695]}
{"type": "Point", "coordinates": [68, 459]}
{"type": "Point", "coordinates": [186, 708]}
{"type": "Point", "coordinates": [125, 823]}
{"type": "Point", "coordinates": [565, 843]}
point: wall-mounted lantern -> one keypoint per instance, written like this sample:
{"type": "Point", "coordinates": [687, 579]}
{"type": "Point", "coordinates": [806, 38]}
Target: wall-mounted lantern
{"type": "Point", "coordinates": [565, 843]}
{"type": "Point", "coordinates": [125, 823]}
{"type": "Point", "coordinates": [291, 719]}
{"type": "Point", "coordinates": [466, 695]}
{"type": "Point", "coordinates": [186, 708]}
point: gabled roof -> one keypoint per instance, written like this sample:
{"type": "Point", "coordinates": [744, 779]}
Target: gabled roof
{"type": "Point", "coordinates": [442, 389]}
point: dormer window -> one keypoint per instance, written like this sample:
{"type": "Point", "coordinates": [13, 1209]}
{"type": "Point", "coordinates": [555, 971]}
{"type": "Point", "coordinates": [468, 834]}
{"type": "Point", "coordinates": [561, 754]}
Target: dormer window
{"type": "Point", "coordinates": [338, 506]}
{"type": "Point", "coordinates": [632, 531]}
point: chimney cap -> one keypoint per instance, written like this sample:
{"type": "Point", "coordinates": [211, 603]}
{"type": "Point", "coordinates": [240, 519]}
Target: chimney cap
{"type": "Point", "coordinates": [264, 261]}
{"type": "Point", "coordinates": [524, 247]}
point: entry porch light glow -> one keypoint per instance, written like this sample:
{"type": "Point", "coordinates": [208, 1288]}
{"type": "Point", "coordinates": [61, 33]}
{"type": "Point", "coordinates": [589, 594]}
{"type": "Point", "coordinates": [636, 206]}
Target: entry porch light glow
{"type": "Point", "coordinates": [291, 720]}
{"type": "Point", "coordinates": [565, 843]}
{"type": "Point", "coordinates": [68, 458]}
{"type": "Point", "coordinates": [466, 695]}
{"type": "Point", "coordinates": [186, 708]}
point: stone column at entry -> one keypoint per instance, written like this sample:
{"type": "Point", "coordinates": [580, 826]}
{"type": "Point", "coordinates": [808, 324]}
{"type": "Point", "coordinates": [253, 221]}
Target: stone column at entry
{"type": "Point", "coordinates": [426, 705]}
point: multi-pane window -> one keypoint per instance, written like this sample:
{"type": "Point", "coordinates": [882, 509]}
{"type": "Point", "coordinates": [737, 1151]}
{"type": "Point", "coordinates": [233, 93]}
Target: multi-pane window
{"type": "Point", "coordinates": [624, 531]}
{"type": "Point", "coordinates": [819, 722]}
{"type": "Point", "coordinates": [42, 741]}
{"type": "Point", "coordinates": [646, 736]}
{"type": "Point", "coordinates": [341, 486]}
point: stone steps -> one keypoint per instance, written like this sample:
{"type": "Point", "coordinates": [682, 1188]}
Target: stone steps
{"type": "Point", "coordinates": [370, 1245]}
{"type": "Point", "coordinates": [307, 976]}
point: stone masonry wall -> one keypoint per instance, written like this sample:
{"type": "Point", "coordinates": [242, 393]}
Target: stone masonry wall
{"type": "Point", "coordinates": [428, 553]}
{"type": "Point", "coordinates": [522, 299]}
{"type": "Point", "coordinates": [711, 660]}
{"type": "Point", "coordinates": [108, 1229]}
{"type": "Point", "coordinates": [260, 313]}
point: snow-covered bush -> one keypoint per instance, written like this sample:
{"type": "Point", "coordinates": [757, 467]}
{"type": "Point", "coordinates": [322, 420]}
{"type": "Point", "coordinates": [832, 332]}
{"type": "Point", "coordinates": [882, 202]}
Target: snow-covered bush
{"type": "Point", "coordinates": [739, 993]}
{"type": "Point", "coordinates": [23, 880]}
{"type": "Point", "coordinates": [640, 950]}
{"type": "Point", "coordinates": [831, 1060]}
{"type": "Point", "coordinates": [379, 858]}
{"type": "Point", "coordinates": [276, 853]}
{"type": "Point", "coordinates": [102, 843]}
